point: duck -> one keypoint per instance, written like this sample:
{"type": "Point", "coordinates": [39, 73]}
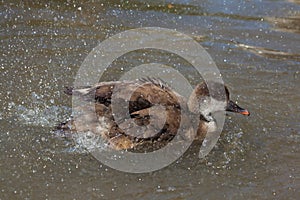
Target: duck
{"type": "Point", "coordinates": [146, 114]}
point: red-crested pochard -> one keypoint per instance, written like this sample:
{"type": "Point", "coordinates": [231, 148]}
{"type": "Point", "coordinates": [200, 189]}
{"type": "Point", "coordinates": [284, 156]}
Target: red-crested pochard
{"type": "Point", "coordinates": [155, 112]}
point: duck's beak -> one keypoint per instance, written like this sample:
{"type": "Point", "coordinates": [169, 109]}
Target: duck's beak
{"type": "Point", "coordinates": [233, 107]}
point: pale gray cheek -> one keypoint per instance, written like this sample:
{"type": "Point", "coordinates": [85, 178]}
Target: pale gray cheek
{"type": "Point", "coordinates": [205, 109]}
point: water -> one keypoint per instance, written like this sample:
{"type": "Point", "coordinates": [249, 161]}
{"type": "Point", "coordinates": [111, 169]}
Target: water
{"type": "Point", "coordinates": [255, 44]}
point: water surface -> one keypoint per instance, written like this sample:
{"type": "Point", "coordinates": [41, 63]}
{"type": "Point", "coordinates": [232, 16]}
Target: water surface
{"type": "Point", "coordinates": [255, 44]}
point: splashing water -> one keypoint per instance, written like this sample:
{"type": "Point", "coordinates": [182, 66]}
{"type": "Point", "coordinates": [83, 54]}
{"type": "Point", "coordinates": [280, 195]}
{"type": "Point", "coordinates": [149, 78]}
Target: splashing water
{"type": "Point", "coordinates": [39, 113]}
{"type": "Point", "coordinates": [87, 142]}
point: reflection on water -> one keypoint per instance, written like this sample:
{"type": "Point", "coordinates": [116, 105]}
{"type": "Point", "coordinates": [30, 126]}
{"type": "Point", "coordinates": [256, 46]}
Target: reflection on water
{"type": "Point", "coordinates": [255, 45]}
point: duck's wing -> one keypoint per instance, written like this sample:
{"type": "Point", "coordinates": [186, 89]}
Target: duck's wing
{"type": "Point", "coordinates": [141, 94]}
{"type": "Point", "coordinates": [155, 123]}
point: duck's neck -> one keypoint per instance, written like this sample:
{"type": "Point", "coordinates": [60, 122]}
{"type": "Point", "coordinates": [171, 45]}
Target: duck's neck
{"type": "Point", "coordinates": [205, 127]}
{"type": "Point", "coordinates": [204, 119]}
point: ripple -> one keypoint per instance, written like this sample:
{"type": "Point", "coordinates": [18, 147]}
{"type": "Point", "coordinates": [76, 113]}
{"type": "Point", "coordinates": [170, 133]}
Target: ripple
{"type": "Point", "coordinates": [288, 24]}
{"type": "Point", "coordinates": [270, 53]}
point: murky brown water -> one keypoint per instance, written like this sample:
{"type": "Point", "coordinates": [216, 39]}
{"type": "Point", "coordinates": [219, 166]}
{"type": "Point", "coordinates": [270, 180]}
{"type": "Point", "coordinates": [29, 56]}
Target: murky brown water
{"type": "Point", "coordinates": [256, 47]}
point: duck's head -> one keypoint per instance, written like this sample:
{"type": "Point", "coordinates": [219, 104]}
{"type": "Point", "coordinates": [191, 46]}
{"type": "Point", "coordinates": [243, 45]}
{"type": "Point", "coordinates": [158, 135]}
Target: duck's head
{"type": "Point", "coordinates": [205, 103]}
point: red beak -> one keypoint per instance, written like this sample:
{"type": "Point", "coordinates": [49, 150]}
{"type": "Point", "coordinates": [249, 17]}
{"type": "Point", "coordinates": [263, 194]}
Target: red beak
{"type": "Point", "coordinates": [233, 107]}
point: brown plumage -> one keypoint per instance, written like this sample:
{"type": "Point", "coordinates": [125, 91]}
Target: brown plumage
{"type": "Point", "coordinates": [154, 114]}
